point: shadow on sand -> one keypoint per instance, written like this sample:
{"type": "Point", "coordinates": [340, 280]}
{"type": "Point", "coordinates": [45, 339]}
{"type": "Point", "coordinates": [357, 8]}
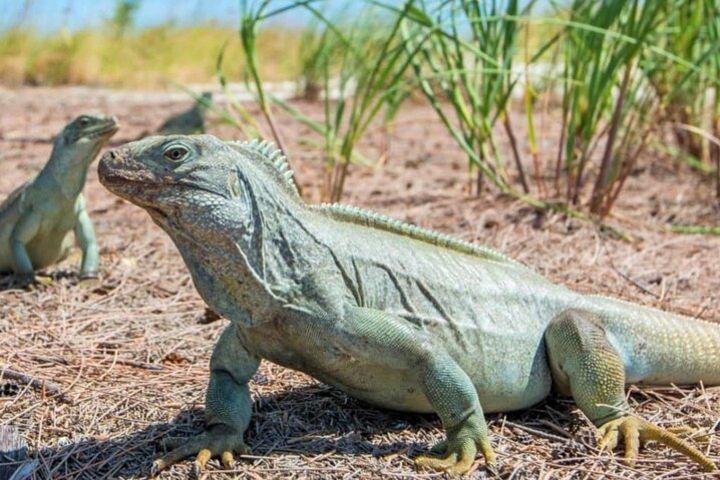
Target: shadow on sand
{"type": "Point", "coordinates": [312, 419]}
{"type": "Point", "coordinates": [8, 281]}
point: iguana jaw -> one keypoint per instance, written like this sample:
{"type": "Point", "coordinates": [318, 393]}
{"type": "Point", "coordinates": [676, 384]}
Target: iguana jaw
{"type": "Point", "coordinates": [107, 130]}
{"type": "Point", "coordinates": [89, 128]}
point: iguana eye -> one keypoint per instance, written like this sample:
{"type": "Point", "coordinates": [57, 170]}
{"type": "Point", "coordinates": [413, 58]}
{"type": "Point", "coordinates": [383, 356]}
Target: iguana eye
{"type": "Point", "coordinates": [175, 153]}
{"type": "Point", "coordinates": [84, 122]}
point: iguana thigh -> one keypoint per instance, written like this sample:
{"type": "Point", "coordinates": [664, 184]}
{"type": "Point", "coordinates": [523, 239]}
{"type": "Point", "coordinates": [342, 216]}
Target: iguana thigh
{"type": "Point", "coordinates": [586, 365]}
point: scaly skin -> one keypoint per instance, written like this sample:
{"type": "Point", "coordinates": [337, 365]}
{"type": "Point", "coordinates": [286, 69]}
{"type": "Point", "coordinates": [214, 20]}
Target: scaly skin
{"type": "Point", "coordinates": [35, 220]}
{"type": "Point", "coordinates": [395, 315]}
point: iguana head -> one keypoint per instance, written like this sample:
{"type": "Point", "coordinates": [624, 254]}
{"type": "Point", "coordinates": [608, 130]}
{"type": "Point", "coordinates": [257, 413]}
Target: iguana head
{"type": "Point", "coordinates": [81, 140]}
{"type": "Point", "coordinates": [180, 178]}
{"type": "Point", "coordinates": [89, 130]}
{"type": "Point", "coordinates": [220, 202]}
{"type": "Point", "coordinates": [76, 147]}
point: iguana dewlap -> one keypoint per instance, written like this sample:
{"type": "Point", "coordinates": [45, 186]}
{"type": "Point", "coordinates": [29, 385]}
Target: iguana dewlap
{"type": "Point", "coordinates": [393, 314]}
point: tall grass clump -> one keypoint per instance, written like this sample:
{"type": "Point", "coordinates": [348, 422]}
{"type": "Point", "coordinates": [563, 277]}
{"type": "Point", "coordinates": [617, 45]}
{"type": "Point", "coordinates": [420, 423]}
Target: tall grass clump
{"type": "Point", "coordinates": [465, 70]}
{"type": "Point", "coordinates": [312, 51]}
{"type": "Point", "coordinates": [359, 65]}
{"type": "Point", "coordinates": [688, 91]}
{"type": "Point", "coordinates": [468, 70]}
{"type": "Point", "coordinates": [607, 102]}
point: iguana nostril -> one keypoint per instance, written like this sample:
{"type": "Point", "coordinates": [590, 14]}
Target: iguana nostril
{"type": "Point", "coordinates": [114, 157]}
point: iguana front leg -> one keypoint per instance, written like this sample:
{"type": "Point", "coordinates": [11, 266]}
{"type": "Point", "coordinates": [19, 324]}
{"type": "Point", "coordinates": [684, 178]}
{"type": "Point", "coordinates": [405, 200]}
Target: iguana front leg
{"type": "Point", "coordinates": [376, 336]}
{"type": "Point", "coordinates": [24, 231]}
{"type": "Point", "coordinates": [85, 236]}
{"type": "Point", "coordinates": [585, 365]}
{"type": "Point", "coordinates": [227, 407]}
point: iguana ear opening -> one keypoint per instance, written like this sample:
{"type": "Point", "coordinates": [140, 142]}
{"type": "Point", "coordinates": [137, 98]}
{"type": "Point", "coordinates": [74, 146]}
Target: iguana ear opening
{"type": "Point", "coordinates": [234, 186]}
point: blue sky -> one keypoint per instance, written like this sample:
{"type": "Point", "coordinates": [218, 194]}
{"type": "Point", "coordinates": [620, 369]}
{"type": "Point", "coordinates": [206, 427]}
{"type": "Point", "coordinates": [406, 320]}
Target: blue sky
{"type": "Point", "coordinates": [52, 15]}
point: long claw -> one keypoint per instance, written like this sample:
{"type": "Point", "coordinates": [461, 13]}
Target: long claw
{"type": "Point", "coordinates": [436, 463]}
{"type": "Point", "coordinates": [609, 440]}
{"type": "Point", "coordinates": [629, 431]}
{"type": "Point", "coordinates": [465, 460]}
{"type": "Point", "coordinates": [228, 460]}
{"type": "Point", "coordinates": [456, 458]}
{"type": "Point", "coordinates": [190, 447]}
{"type": "Point", "coordinates": [202, 457]}
{"type": "Point", "coordinates": [634, 430]}
{"type": "Point", "coordinates": [651, 432]}
{"type": "Point", "coordinates": [217, 441]}
{"type": "Point", "coordinates": [157, 466]}
{"type": "Point", "coordinates": [487, 452]}
{"type": "Point", "coordinates": [44, 280]}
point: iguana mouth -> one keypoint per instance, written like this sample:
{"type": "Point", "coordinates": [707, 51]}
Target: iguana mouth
{"type": "Point", "coordinates": [102, 130]}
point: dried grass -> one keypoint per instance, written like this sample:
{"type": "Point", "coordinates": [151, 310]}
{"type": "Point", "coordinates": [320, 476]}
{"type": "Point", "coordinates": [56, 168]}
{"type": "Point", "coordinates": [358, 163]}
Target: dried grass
{"type": "Point", "coordinates": [132, 358]}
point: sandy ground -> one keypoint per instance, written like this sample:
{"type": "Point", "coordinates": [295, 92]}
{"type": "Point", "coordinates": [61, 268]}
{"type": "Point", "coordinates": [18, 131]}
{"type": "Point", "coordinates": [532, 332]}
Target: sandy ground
{"type": "Point", "coordinates": [132, 358]}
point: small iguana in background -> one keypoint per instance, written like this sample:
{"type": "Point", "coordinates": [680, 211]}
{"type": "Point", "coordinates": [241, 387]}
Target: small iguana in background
{"type": "Point", "coordinates": [35, 220]}
{"type": "Point", "coordinates": [398, 316]}
{"type": "Point", "coordinates": [190, 121]}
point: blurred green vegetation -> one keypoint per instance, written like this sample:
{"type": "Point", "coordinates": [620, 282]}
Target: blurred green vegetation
{"type": "Point", "coordinates": [144, 58]}
{"type": "Point", "coordinates": [625, 73]}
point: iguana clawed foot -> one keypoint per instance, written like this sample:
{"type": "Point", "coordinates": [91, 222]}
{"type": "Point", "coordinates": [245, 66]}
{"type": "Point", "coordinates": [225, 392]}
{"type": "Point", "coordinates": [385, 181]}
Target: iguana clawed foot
{"type": "Point", "coordinates": [31, 281]}
{"type": "Point", "coordinates": [89, 281]}
{"type": "Point", "coordinates": [456, 455]}
{"type": "Point", "coordinates": [635, 431]}
{"type": "Point", "coordinates": [218, 441]}
{"type": "Point", "coordinates": [94, 275]}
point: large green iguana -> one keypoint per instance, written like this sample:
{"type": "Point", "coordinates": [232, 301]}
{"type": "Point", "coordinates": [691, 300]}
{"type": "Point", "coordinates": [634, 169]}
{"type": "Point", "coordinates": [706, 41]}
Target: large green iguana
{"type": "Point", "coordinates": [35, 220]}
{"type": "Point", "coordinates": [395, 315]}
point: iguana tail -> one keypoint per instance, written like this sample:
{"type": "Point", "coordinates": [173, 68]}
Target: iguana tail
{"type": "Point", "coordinates": [661, 348]}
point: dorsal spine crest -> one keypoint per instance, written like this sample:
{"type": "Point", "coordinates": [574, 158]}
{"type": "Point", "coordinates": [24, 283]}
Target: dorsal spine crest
{"type": "Point", "coordinates": [272, 156]}
{"type": "Point", "coordinates": [359, 216]}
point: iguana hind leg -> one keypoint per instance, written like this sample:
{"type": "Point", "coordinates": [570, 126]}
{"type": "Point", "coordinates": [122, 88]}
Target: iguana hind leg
{"type": "Point", "coordinates": [227, 408]}
{"type": "Point", "coordinates": [585, 365]}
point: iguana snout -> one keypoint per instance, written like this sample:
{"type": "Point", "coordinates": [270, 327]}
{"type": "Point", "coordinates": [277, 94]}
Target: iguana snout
{"type": "Point", "coordinates": [158, 172]}
{"type": "Point", "coordinates": [90, 128]}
